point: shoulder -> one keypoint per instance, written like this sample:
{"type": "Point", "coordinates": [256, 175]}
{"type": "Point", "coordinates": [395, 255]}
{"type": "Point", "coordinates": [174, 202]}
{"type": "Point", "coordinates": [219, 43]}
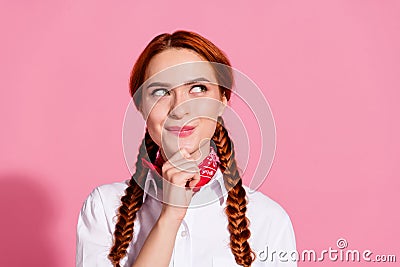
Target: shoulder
{"type": "Point", "coordinates": [266, 215]}
{"type": "Point", "coordinates": [107, 192]}
{"type": "Point", "coordinates": [111, 190]}
{"type": "Point", "coordinates": [263, 207]}
{"type": "Point", "coordinates": [95, 224]}
{"type": "Point", "coordinates": [269, 221]}
{"type": "Point", "coordinates": [104, 199]}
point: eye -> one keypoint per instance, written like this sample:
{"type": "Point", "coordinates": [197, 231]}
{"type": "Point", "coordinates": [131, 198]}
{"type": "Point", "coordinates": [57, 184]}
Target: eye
{"type": "Point", "coordinates": [160, 92]}
{"type": "Point", "coordinates": [199, 88]}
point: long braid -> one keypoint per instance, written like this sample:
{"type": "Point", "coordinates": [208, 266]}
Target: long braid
{"type": "Point", "coordinates": [131, 202]}
{"type": "Point", "coordinates": [238, 224]}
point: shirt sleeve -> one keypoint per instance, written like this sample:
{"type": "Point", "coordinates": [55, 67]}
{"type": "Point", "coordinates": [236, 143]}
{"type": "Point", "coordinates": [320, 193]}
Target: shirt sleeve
{"type": "Point", "coordinates": [94, 238]}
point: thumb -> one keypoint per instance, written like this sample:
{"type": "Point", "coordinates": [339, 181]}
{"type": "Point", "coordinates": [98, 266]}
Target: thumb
{"type": "Point", "coordinates": [185, 153]}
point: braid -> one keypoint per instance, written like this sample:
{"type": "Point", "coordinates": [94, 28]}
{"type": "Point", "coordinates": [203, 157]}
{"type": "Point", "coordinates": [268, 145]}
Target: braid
{"type": "Point", "coordinates": [131, 202]}
{"type": "Point", "coordinates": [236, 202]}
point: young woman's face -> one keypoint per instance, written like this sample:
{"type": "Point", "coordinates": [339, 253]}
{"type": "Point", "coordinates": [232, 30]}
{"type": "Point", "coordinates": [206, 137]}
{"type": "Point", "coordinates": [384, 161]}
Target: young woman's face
{"type": "Point", "coordinates": [181, 101]}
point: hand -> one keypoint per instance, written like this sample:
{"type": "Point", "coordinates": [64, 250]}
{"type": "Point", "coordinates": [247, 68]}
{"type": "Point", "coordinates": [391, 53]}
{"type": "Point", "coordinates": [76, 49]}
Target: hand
{"type": "Point", "coordinates": [180, 174]}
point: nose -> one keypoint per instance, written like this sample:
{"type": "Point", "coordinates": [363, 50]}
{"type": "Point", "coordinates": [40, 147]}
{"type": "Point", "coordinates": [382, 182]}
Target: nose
{"type": "Point", "coordinates": [180, 106]}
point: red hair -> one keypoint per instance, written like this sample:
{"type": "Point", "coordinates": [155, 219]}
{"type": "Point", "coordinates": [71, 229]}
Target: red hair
{"type": "Point", "coordinates": [131, 202]}
{"type": "Point", "coordinates": [179, 40]}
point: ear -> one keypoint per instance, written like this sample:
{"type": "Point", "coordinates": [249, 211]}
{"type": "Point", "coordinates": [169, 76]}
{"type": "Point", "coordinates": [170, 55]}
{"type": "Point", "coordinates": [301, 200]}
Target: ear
{"type": "Point", "coordinates": [224, 103]}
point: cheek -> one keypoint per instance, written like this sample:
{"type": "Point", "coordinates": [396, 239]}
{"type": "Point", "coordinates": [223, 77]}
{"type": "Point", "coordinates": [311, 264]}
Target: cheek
{"type": "Point", "coordinates": [154, 123]}
{"type": "Point", "coordinates": [207, 107]}
{"type": "Point", "coordinates": [207, 128]}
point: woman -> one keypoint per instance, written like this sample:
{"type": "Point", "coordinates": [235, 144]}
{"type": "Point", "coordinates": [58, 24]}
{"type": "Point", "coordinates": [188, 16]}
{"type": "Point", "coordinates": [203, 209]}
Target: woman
{"type": "Point", "coordinates": [185, 205]}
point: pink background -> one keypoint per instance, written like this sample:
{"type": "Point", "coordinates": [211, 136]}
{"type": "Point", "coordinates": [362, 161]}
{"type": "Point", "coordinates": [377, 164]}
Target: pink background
{"type": "Point", "coordinates": [329, 69]}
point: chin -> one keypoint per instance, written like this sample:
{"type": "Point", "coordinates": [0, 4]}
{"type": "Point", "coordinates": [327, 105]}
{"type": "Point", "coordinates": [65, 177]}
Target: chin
{"type": "Point", "coordinates": [190, 146]}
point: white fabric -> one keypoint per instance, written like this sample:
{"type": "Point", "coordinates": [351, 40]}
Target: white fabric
{"type": "Point", "coordinates": [202, 239]}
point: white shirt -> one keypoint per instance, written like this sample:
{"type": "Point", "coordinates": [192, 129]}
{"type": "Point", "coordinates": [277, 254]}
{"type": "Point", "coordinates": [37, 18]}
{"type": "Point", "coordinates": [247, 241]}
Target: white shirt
{"type": "Point", "coordinates": [202, 239]}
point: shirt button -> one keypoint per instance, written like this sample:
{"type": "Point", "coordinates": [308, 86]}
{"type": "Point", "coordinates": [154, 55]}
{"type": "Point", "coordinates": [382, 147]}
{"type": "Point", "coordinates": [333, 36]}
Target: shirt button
{"type": "Point", "coordinates": [183, 233]}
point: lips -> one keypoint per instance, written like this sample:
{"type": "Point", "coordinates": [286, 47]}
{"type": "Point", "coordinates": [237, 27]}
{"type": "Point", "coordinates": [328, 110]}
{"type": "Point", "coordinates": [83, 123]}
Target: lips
{"type": "Point", "coordinates": [181, 131]}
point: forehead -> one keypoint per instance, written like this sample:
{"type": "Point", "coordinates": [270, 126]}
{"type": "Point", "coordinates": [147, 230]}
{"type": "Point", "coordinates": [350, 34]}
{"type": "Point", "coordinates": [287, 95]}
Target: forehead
{"type": "Point", "coordinates": [176, 66]}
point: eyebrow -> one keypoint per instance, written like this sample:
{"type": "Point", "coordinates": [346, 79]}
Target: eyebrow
{"type": "Point", "coordinates": [161, 84]}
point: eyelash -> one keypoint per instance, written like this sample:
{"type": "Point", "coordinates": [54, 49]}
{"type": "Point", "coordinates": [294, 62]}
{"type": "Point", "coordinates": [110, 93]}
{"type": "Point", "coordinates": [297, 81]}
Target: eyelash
{"type": "Point", "coordinates": [153, 93]}
{"type": "Point", "coordinates": [203, 88]}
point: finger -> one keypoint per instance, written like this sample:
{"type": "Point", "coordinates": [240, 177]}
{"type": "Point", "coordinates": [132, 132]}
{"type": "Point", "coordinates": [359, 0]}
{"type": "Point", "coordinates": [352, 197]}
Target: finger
{"type": "Point", "coordinates": [178, 159]}
{"type": "Point", "coordinates": [181, 161]}
{"type": "Point", "coordinates": [181, 153]}
{"type": "Point", "coordinates": [194, 181]}
{"type": "Point", "coordinates": [181, 178]}
{"type": "Point", "coordinates": [197, 155]}
{"type": "Point", "coordinates": [187, 166]}
{"type": "Point", "coordinates": [170, 169]}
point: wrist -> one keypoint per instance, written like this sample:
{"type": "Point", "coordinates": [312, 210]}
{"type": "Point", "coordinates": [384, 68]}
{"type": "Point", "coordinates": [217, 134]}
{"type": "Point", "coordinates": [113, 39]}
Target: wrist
{"type": "Point", "coordinates": [170, 222]}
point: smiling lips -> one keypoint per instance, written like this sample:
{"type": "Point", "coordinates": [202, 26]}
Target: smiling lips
{"type": "Point", "coordinates": [181, 131]}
